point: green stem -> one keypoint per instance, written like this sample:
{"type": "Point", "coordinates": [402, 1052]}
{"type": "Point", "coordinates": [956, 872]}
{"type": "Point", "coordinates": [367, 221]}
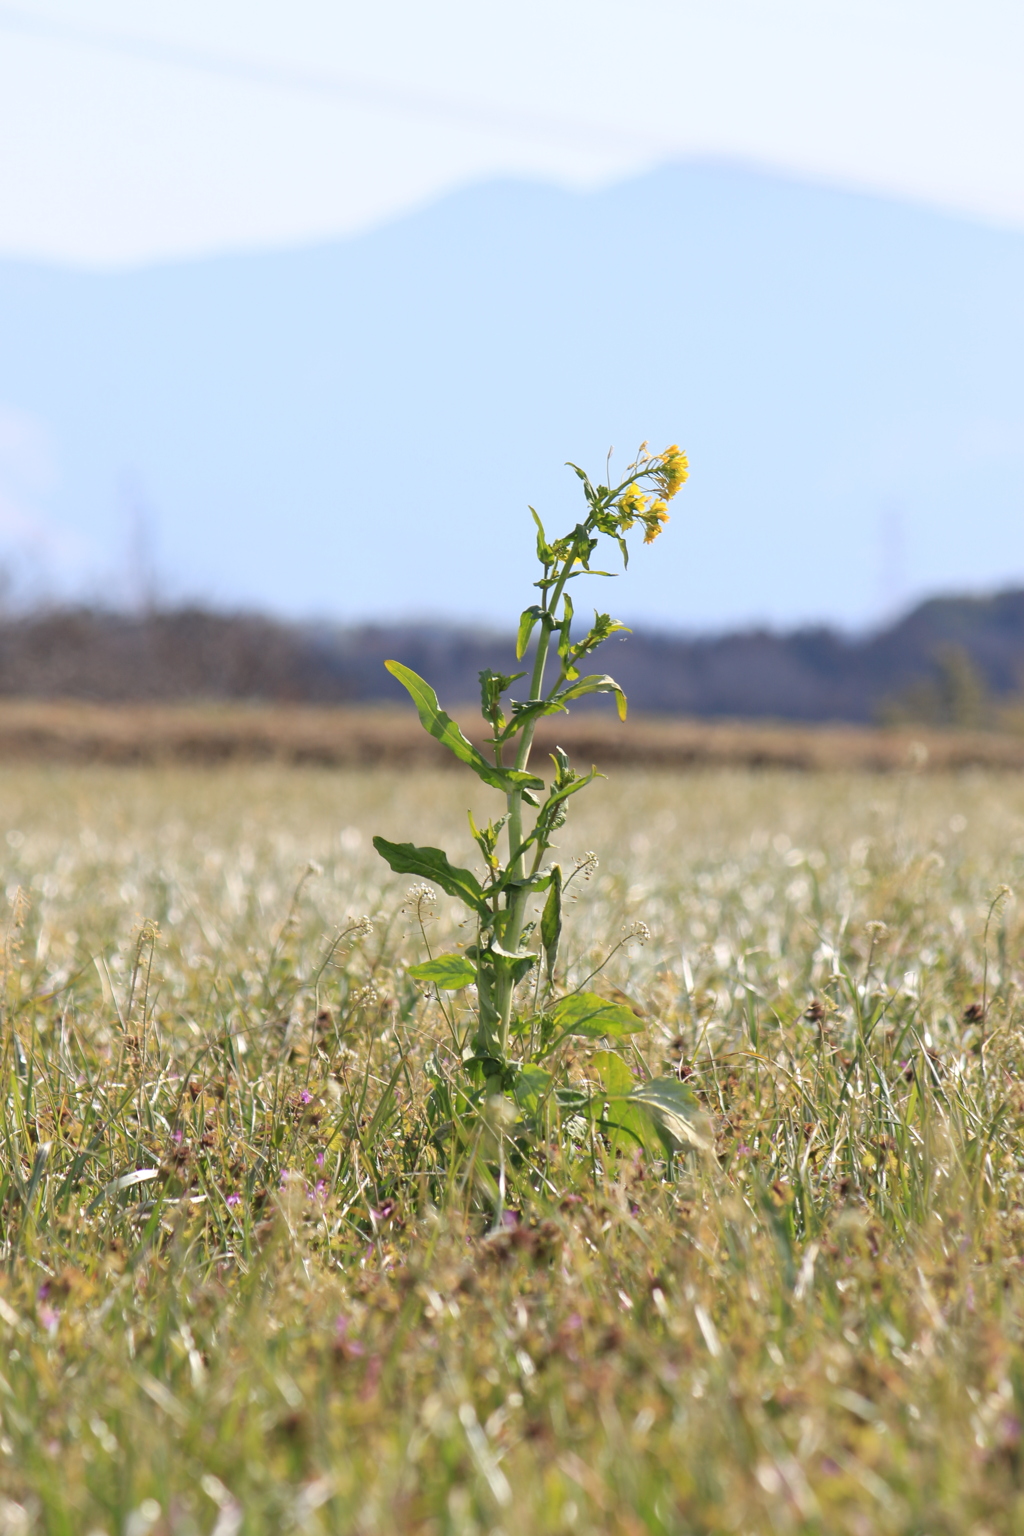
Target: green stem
{"type": "Point", "coordinates": [513, 933]}
{"type": "Point", "coordinates": [536, 685]}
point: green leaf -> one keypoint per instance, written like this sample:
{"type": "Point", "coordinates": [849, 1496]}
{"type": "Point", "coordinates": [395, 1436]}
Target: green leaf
{"type": "Point", "coordinates": [603, 626]}
{"type": "Point", "coordinates": [570, 786]}
{"type": "Point", "coordinates": [532, 1086]}
{"type": "Point", "coordinates": [517, 964]}
{"type": "Point", "coordinates": [432, 864]}
{"type": "Point", "coordinates": [551, 921]}
{"type": "Point", "coordinates": [544, 551]}
{"type": "Point", "coordinates": [526, 624]}
{"type": "Point", "coordinates": [487, 840]}
{"type": "Point", "coordinates": [492, 686]}
{"type": "Point", "coordinates": [676, 1114]}
{"type": "Point", "coordinates": [564, 637]}
{"type": "Point", "coordinates": [444, 729]}
{"type": "Point", "coordinates": [536, 883]}
{"type": "Point", "coordinates": [449, 972]}
{"type": "Point", "coordinates": [616, 1078]}
{"type": "Point", "coordinates": [584, 1013]}
{"type": "Point", "coordinates": [625, 1125]}
{"type": "Point", "coordinates": [572, 1101]}
{"type": "Point", "coordinates": [596, 682]}
{"type": "Point", "coordinates": [531, 709]}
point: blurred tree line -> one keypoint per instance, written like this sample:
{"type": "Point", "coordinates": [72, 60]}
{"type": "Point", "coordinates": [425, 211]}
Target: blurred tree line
{"type": "Point", "coordinates": [956, 662]}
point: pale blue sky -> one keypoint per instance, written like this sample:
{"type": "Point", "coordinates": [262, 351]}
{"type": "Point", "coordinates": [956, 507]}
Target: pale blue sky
{"type": "Point", "coordinates": [355, 429]}
{"type": "Point", "coordinates": [247, 247]}
{"type": "Point", "coordinates": [134, 130]}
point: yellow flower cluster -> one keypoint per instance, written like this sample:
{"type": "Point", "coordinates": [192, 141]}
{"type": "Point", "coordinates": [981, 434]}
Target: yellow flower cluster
{"type": "Point", "coordinates": [632, 504]}
{"type": "Point", "coordinates": [674, 470]}
{"type": "Point", "coordinates": [655, 519]}
{"type": "Point", "coordinates": [668, 471]}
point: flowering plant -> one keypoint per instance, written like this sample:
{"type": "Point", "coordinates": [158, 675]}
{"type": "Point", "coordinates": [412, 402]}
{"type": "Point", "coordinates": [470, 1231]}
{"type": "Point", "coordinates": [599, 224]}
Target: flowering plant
{"type": "Point", "coordinates": [502, 1050]}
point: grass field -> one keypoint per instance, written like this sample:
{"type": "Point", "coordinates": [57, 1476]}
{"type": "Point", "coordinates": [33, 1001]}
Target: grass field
{"type": "Point", "coordinates": [245, 1289]}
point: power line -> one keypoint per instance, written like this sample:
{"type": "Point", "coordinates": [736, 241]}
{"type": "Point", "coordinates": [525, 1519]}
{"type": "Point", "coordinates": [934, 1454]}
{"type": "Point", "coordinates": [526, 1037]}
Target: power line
{"type": "Point", "coordinates": [352, 89]}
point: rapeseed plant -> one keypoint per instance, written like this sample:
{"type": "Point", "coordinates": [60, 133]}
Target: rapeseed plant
{"type": "Point", "coordinates": [513, 1057]}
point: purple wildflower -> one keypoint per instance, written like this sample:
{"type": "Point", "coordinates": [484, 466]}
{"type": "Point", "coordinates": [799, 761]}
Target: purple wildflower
{"type": "Point", "coordinates": [346, 1346]}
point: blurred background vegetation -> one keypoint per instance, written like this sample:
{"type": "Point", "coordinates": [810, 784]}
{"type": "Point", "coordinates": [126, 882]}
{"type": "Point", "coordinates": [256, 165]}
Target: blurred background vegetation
{"type": "Point", "coordinates": [953, 663]}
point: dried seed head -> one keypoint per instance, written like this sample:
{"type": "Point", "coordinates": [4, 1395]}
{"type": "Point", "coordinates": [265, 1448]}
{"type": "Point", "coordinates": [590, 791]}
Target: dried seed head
{"type": "Point", "coordinates": [421, 898]}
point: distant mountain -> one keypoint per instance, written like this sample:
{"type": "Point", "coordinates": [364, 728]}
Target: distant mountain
{"type": "Point", "coordinates": [356, 429]}
{"type": "Point", "coordinates": [946, 662]}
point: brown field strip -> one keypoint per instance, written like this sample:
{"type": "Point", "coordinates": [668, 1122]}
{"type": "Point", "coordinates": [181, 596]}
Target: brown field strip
{"type": "Point", "coordinates": [75, 732]}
